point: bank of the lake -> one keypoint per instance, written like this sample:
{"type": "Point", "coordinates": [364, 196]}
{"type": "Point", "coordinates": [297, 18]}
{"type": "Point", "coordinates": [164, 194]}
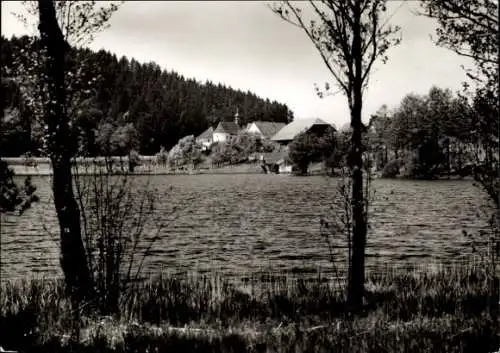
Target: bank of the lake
{"type": "Point", "coordinates": [450, 310]}
{"type": "Point", "coordinates": [148, 166]}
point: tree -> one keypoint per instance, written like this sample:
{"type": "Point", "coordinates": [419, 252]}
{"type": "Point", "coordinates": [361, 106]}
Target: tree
{"type": "Point", "coordinates": [431, 132]}
{"type": "Point", "coordinates": [379, 129]}
{"type": "Point", "coordinates": [73, 259]}
{"type": "Point", "coordinates": [115, 139]}
{"type": "Point", "coordinates": [350, 38]}
{"type": "Point", "coordinates": [52, 97]}
{"type": "Point", "coordinates": [471, 29]}
{"type": "Point", "coordinates": [78, 22]}
{"type": "Point", "coordinates": [305, 149]}
{"type": "Point", "coordinates": [186, 152]}
{"type": "Point", "coordinates": [12, 196]}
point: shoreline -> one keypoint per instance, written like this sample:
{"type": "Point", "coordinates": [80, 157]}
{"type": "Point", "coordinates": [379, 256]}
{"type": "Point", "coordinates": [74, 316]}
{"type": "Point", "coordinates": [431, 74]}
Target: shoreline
{"type": "Point", "coordinates": [43, 168]}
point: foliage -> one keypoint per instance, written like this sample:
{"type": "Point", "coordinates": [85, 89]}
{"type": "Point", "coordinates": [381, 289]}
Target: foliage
{"type": "Point", "coordinates": [186, 152]}
{"type": "Point", "coordinates": [334, 146]}
{"type": "Point", "coordinates": [116, 140]}
{"type": "Point", "coordinates": [378, 136]}
{"type": "Point", "coordinates": [134, 160]}
{"type": "Point", "coordinates": [163, 106]}
{"type": "Point", "coordinates": [162, 157]}
{"type": "Point", "coordinates": [471, 30]}
{"type": "Point", "coordinates": [305, 149]}
{"type": "Point", "coordinates": [237, 149]}
{"type": "Point", "coordinates": [12, 196]}
{"type": "Point", "coordinates": [391, 169]}
{"type": "Point", "coordinates": [79, 20]}
{"type": "Point", "coordinates": [431, 132]}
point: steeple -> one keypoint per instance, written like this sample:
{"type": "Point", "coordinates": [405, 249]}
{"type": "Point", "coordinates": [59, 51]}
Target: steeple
{"type": "Point", "coordinates": [236, 117]}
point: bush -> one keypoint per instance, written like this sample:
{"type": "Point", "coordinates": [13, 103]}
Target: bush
{"type": "Point", "coordinates": [391, 169]}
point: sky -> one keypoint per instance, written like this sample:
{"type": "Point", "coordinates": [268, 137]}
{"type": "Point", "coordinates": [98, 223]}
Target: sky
{"type": "Point", "coordinates": [246, 46]}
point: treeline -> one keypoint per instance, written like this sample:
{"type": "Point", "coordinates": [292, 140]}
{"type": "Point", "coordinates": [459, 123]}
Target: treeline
{"type": "Point", "coordinates": [424, 137]}
{"type": "Point", "coordinates": [431, 135]}
{"type": "Point", "coordinates": [149, 107]}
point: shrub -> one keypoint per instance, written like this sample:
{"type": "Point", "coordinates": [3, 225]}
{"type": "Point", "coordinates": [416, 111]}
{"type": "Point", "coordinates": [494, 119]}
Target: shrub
{"type": "Point", "coordinates": [391, 169]}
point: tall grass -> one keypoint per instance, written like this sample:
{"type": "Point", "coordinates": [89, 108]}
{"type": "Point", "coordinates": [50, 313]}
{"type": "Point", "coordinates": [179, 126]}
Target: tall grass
{"type": "Point", "coordinates": [446, 310]}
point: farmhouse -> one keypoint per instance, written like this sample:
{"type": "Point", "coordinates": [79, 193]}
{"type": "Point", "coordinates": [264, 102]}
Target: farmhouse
{"type": "Point", "coordinates": [298, 126]}
{"type": "Point", "coordinates": [276, 162]}
{"type": "Point", "coordinates": [225, 130]}
{"type": "Point", "coordinates": [206, 138]}
{"type": "Point", "coordinates": [265, 129]}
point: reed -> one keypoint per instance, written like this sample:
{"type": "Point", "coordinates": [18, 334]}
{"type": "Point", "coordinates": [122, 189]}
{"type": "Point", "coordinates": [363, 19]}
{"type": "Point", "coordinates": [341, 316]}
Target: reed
{"type": "Point", "coordinates": [444, 309]}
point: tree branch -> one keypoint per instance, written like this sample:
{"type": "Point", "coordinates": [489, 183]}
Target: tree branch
{"type": "Point", "coordinates": [302, 25]}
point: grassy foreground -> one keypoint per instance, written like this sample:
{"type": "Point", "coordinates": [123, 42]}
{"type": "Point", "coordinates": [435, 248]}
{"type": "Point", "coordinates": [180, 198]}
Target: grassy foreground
{"type": "Point", "coordinates": [448, 310]}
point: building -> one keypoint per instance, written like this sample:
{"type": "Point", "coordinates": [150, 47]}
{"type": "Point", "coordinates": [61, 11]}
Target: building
{"type": "Point", "coordinates": [206, 138]}
{"type": "Point", "coordinates": [276, 162]}
{"type": "Point", "coordinates": [298, 126]}
{"type": "Point", "coordinates": [226, 129]}
{"type": "Point", "coordinates": [265, 129]}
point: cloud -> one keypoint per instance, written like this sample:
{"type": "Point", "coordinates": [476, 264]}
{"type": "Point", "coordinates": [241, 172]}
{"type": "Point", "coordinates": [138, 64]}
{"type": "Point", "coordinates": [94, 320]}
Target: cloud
{"type": "Point", "coordinates": [246, 46]}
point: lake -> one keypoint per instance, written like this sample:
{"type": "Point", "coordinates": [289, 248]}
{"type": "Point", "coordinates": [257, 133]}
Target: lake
{"type": "Point", "coordinates": [243, 224]}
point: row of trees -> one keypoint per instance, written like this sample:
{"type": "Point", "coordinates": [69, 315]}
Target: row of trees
{"type": "Point", "coordinates": [236, 149]}
{"type": "Point", "coordinates": [154, 106]}
{"type": "Point", "coordinates": [426, 136]}
{"type": "Point", "coordinates": [429, 135]}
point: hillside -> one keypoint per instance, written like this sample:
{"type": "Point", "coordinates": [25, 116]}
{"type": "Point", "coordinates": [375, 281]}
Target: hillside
{"type": "Point", "coordinates": [155, 106]}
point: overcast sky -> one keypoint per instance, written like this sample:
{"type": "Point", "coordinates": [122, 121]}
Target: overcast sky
{"type": "Point", "coordinates": [246, 46]}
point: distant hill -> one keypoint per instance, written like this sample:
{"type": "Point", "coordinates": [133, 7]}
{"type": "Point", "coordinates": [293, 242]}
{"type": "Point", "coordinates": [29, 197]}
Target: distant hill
{"type": "Point", "coordinates": [163, 106]}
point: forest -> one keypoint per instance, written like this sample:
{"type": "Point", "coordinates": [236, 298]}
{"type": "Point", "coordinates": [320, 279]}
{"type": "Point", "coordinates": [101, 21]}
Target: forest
{"type": "Point", "coordinates": [146, 106]}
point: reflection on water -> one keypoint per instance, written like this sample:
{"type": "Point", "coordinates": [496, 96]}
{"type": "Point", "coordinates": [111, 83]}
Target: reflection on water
{"type": "Point", "coordinates": [246, 223]}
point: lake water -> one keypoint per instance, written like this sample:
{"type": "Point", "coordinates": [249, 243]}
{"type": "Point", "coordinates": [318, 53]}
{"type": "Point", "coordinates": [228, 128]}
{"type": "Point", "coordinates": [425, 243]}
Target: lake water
{"type": "Point", "coordinates": [242, 224]}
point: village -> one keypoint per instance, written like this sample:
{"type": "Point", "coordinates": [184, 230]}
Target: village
{"type": "Point", "coordinates": [274, 159]}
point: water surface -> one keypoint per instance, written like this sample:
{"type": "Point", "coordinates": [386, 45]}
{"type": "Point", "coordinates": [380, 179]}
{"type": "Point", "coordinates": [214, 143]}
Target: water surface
{"type": "Point", "coordinates": [239, 224]}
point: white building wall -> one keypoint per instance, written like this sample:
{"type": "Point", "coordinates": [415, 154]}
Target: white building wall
{"type": "Point", "coordinates": [220, 136]}
{"type": "Point", "coordinates": [252, 128]}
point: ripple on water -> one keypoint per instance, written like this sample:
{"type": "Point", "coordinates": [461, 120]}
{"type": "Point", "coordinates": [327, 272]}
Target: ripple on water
{"type": "Point", "coordinates": [244, 223]}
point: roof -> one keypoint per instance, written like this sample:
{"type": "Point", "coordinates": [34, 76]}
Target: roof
{"type": "Point", "coordinates": [297, 127]}
{"type": "Point", "coordinates": [207, 134]}
{"type": "Point", "coordinates": [269, 128]}
{"type": "Point", "coordinates": [229, 127]}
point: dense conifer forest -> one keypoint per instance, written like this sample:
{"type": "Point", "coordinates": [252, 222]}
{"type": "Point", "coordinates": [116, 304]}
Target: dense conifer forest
{"type": "Point", "coordinates": [152, 106]}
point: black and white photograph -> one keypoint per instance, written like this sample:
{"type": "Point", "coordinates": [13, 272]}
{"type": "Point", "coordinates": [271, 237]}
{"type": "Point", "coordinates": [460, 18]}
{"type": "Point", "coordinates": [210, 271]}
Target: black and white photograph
{"type": "Point", "coordinates": [250, 176]}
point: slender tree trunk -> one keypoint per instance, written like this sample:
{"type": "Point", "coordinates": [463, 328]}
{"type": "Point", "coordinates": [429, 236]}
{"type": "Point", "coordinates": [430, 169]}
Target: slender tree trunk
{"type": "Point", "coordinates": [73, 259]}
{"type": "Point", "coordinates": [355, 290]}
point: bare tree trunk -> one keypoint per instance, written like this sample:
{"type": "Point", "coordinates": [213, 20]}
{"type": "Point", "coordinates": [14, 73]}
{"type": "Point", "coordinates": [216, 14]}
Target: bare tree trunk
{"type": "Point", "coordinates": [355, 290]}
{"type": "Point", "coordinates": [73, 259]}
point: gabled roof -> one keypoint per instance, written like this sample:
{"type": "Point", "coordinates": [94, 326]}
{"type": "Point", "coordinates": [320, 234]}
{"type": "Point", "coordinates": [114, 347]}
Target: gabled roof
{"type": "Point", "coordinates": [297, 127]}
{"type": "Point", "coordinates": [269, 128]}
{"type": "Point", "coordinates": [207, 134]}
{"type": "Point", "coordinates": [228, 127]}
